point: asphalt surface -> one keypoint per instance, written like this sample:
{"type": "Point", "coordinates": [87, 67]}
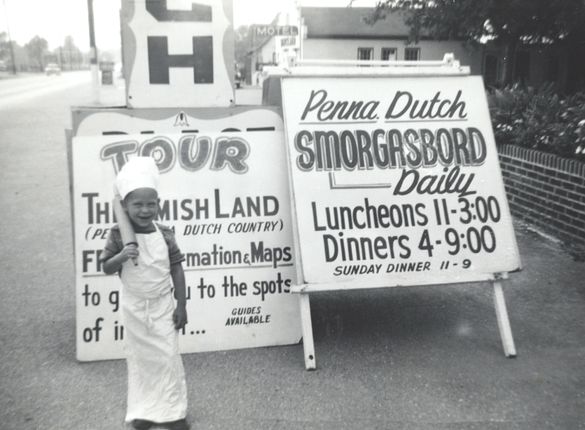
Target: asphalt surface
{"type": "Point", "coordinates": [401, 358]}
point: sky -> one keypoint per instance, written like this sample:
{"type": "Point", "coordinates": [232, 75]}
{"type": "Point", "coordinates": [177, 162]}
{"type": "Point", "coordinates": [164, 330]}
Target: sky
{"type": "Point", "coordinates": [53, 20]}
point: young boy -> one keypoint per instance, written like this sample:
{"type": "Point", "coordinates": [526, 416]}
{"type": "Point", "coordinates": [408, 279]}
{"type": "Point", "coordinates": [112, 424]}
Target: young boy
{"type": "Point", "coordinates": [157, 391]}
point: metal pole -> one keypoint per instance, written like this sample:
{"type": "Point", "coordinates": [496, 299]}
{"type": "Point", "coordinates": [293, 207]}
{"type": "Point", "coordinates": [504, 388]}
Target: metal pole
{"type": "Point", "coordinates": [301, 35]}
{"type": "Point", "coordinates": [93, 64]}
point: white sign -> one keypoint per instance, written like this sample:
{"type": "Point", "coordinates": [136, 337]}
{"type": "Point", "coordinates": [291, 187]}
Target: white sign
{"type": "Point", "coordinates": [276, 30]}
{"type": "Point", "coordinates": [288, 41]}
{"type": "Point", "coordinates": [223, 192]}
{"type": "Point", "coordinates": [178, 53]}
{"type": "Point", "coordinates": [395, 181]}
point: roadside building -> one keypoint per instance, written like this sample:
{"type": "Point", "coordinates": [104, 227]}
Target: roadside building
{"type": "Point", "coordinates": [343, 34]}
{"type": "Point", "coordinates": [328, 33]}
{"type": "Point", "coordinates": [271, 47]}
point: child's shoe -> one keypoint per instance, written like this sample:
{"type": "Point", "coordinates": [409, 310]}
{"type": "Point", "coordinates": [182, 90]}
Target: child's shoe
{"type": "Point", "coordinates": [179, 425]}
{"type": "Point", "coordinates": [141, 424]}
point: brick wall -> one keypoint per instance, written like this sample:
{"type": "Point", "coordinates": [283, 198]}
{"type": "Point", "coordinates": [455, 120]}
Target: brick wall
{"type": "Point", "coordinates": [547, 191]}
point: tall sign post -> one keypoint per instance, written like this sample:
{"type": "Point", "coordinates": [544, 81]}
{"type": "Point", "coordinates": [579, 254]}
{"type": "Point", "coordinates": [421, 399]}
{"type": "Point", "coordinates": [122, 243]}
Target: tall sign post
{"type": "Point", "coordinates": [395, 182]}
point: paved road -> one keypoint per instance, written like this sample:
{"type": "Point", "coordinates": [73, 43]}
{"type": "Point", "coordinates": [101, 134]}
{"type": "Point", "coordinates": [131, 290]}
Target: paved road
{"type": "Point", "coordinates": [14, 92]}
{"type": "Point", "coordinates": [403, 358]}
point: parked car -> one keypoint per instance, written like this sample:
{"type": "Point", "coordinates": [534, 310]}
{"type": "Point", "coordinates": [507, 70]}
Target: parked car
{"type": "Point", "coordinates": [52, 69]}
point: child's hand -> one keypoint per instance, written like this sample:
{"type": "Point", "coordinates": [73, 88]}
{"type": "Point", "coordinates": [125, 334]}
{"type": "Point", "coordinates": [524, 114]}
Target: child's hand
{"type": "Point", "coordinates": [128, 252]}
{"type": "Point", "coordinates": [180, 317]}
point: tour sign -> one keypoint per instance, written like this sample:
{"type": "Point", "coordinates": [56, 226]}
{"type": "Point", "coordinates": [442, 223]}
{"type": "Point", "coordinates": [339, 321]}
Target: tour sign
{"type": "Point", "coordinates": [179, 53]}
{"type": "Point", "coordinates": [222, 192]}
{"type": "Point", "coordinates": [395, 181]}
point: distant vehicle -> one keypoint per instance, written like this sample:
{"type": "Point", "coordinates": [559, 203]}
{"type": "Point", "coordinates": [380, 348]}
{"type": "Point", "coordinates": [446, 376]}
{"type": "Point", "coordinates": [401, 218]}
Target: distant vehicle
{"type": "Point", "coordinates": [3, 66]}
{"type": "Point", "coordinates": [52, 69]}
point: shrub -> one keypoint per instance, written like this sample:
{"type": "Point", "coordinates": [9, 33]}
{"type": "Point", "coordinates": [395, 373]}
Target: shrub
{"type": "Point", "coordinates": [539, 119]}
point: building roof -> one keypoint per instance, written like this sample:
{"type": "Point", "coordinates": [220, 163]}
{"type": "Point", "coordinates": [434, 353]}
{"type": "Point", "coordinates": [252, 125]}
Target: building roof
{"type": "Point", "coordinates": [348, 22]}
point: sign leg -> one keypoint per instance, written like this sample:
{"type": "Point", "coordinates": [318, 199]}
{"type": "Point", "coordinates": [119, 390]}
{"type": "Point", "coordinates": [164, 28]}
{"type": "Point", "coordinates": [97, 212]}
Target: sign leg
{"type": "Point", "coordinates": [307, 329]}
{"type": "Point", "coordinates": [503, 321]}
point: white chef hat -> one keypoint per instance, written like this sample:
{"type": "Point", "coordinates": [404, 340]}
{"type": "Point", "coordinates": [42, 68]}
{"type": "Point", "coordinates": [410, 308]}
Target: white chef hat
{"type": "Point", "coordinates": [138, 172]}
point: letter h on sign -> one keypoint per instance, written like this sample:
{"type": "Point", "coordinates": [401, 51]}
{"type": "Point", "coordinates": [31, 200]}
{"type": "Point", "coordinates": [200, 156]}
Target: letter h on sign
{"type": "Point", "coordinates": [182, 56]}
{"type": "Point", "coordinates": [159, 60]}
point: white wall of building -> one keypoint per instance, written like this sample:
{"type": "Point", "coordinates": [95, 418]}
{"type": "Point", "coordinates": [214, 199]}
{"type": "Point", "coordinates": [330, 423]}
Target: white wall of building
{"type": "Point", "coordinates": [346, 49]}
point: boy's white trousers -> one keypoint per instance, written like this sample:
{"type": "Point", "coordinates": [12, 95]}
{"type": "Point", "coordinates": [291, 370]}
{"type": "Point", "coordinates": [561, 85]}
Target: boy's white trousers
{"type": "Point", "coordinates": [157, 389]}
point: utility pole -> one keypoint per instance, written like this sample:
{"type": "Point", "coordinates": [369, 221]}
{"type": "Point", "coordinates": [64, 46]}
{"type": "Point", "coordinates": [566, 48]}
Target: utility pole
{"type": "Point", "coordinates": [93, 63]}
{"type": "Point", "coordinates": [301, 34]}
{"type": "Point", "coordinates": [9, 40]}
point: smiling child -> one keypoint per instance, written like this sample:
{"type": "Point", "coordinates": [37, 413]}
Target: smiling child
{"type": "Point", "coordinates": [157, 391]}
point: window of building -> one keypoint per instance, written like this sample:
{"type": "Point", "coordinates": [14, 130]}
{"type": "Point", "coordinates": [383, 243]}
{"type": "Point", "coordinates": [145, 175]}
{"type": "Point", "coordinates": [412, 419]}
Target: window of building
{"type": "Point", "coordinates": [490, 69]}
{"type": "Point", "coordinates": [552, 72]}
{"type": "Point", "coordinates": [412, 54]}
{"type": "Point", "coordinates": [388, 54]}
{"type": "Point", "coordinates": [365, 53]}
{"type": "Point", "coordinates": [522, 66]}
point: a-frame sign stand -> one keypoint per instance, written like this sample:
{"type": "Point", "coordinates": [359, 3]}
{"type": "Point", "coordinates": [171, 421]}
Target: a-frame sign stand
{"type": "Point", "coordinates": [446, 68]}
{"type": "Point", "coordinates": [307, 331]}
{"type": "Point", "coordinates": [503, 320]}
{"type": "Point", "coordinates": [499, 304]}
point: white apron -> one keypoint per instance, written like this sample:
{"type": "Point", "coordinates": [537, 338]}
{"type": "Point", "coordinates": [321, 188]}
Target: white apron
{"type": "Point", "coordinates": [157, 390]}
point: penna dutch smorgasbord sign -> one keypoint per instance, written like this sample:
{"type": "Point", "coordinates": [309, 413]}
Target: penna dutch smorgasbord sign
{"type": "Point", "coordinates": [395, 181]}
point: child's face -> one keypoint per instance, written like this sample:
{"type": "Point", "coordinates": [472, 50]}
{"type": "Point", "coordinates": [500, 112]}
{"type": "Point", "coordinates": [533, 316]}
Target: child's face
{"type": "Point", "coordinates": [142, 206]}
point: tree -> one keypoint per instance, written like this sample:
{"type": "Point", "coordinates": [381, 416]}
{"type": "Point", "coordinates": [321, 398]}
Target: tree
{"type": "Point", "coordinates": [508, 23]}
{"type": "Point", "coordinates": [7, 48]}
{"type": "Point", "coordinates": [4, 46]}
{"type": "Point", "coordinates": [69, 54]}
{"type": "Point", "coordinates": [243, 43]}
{"type": "Point", "coordinates": [36, 49]}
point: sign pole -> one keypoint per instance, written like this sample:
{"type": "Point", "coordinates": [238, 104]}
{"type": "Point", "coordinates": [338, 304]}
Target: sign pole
{"type": "Point", "coordinates": [307, 330]}
{"type": "Point", "coordinates": [503, 320]}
